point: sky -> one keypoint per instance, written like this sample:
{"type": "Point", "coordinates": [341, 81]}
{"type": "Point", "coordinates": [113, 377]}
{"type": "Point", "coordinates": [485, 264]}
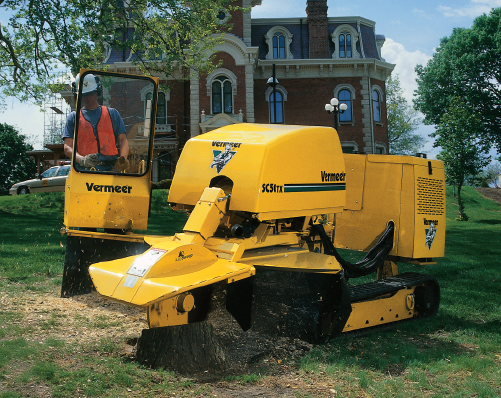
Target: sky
{"type": "Point", "coordinates": [412, 29]}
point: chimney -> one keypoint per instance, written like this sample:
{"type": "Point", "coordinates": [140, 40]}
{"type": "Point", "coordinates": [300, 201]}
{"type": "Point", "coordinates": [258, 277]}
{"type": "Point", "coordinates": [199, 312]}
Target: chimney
{"type": "Point", "coordinates": [316, 11]}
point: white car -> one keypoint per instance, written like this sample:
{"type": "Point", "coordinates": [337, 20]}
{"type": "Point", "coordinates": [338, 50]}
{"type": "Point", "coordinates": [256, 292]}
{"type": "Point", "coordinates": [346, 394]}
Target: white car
{"type": "Point", "coordinates": [51, 180]}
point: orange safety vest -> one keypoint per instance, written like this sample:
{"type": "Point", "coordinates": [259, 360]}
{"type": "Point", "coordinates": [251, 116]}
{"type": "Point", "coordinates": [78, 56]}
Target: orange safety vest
{"type": "Point", "coordinates": [87, 142]}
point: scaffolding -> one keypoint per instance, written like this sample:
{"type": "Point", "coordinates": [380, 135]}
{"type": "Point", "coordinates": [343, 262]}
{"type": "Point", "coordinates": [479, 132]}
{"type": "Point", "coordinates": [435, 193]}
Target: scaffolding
{"type": "Point", "coordinates": [56, 110]}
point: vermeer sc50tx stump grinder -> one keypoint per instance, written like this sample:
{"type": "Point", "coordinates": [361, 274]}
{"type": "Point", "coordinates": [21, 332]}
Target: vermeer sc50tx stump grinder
{"type": "Point", "coordinates": [268, 206]}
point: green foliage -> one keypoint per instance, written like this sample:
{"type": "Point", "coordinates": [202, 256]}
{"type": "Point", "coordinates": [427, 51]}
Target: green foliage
{"type": "Point", "coordinates": [402, 121]}
{"type": "Point", "coordinates": [489, 177]}
{"type": "Point", "coordinates": [45, 37]}
{"type": "Point", "coordinates": [464, 154]}
{"type": "Point", "coordinates": [15, 165]}
{"type": "Point", "coordinates": [466, 65]}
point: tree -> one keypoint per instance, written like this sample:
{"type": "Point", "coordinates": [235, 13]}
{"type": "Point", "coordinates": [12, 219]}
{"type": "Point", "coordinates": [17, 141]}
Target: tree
{"type": "Point", "coordinates": [15, 164]}
{"type": "Point", "coordinates": [44, 38]}
{"type": "Point", "coordinates": [466, 65]}
{"type": "Point", "coordinates": [402, 121]}
{"type": "Point", "coordinates": [489, 177]}
{"type": "Point", "coordinates": [464, 154]}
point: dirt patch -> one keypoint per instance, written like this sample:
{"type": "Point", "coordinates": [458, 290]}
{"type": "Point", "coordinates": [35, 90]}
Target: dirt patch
{"type": "Point", "coordinates": [491, 193]}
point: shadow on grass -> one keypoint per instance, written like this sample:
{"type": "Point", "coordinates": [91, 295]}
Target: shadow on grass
{"type": "Point", "coordinates": [410, 344]}
{"type": "Point", "coordinates": [489, 222]}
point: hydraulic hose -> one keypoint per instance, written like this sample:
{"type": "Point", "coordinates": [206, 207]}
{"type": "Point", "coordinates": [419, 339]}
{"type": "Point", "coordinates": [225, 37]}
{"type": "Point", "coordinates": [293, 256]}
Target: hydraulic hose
{"type": "Point", "coordinates": [372, 261]}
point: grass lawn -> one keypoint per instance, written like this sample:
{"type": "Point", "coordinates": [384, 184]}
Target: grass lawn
{"type": "Point", "coordinates": [52, 347]}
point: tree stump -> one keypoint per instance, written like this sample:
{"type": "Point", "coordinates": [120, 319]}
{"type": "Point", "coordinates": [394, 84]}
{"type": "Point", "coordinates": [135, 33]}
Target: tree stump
{"type": "Point", "coordinates": [191, 348]}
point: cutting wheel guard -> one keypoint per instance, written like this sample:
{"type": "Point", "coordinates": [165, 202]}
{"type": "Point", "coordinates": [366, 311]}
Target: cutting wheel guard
{"type": "Point", "coordinates": [372, 261]}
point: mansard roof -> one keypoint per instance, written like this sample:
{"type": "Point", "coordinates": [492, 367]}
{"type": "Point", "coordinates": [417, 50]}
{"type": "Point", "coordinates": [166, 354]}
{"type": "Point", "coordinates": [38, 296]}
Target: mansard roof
{"type": "Point", "coordinates": [298, 27]}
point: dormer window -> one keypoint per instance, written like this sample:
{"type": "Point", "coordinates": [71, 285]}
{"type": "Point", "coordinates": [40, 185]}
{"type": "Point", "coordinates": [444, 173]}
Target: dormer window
{"type": "Point", "coordinates": [279, 41]}
{"type": "Point", "coordinates": [345, 39]}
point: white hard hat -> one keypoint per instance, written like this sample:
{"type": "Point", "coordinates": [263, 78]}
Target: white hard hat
{"type": "Point", "coordinates": [89, 83]}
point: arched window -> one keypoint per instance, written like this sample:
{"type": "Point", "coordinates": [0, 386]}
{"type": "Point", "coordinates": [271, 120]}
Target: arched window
{"type": "Point", "coordinates": [161, 107]}
{"type": "Point", "coordinates": [345, 38]}
{"type": "Point", "coordinates": [278, 45]}
{"type": "Point", "coordinates": [344, 45]}
{"type": "Point", "coordinates": [221, 95]}
{"type": "Point", "coordinates": [278, 105]}
{"type": "Point", "coordinates": [279, 40]}
{"type": "Point", "coordinates": [345, 98]}
{"type": "Point", "coordinates": [376, 106]}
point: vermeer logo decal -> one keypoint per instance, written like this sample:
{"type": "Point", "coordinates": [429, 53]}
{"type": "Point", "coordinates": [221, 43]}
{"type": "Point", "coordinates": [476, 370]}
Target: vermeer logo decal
{"type": "Point", "coordinates": [326, 177]}
{"type": "Point", "coordinates": [430, 235]}
{"type": "Point", "coordinates": [181, 256]}
{"type": "Point", "coordinates": [108, 188]}
{"type": "Point", "coordinates": [221, 158]}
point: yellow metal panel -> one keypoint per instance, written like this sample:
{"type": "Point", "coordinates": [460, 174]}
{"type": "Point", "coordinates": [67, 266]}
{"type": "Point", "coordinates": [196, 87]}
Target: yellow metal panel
{"type": "Point", "coordinates": [359, 230]}
{"type": "Point", "coordinates": [106, 201]}
{"type": "Point", "coordinates": [155, 289]}
{"type": "Point", "coordinates": [429, 238]}
{"type": "Point", "coordinates": [207, 214]}
{"type": "Point", "coordinates": [406, 229]}
{"type": "Point", "coordinates": [164, 313]}
{"type": "Point", "coordinates": [400, 189]}
{"type": "Point", "coordinates": [291, 259]}
{"type": "Point", "coordinates": [355, 170]}
{"type": "Point", "coordinates": [163, 271]}
{"type": "Point", "coordinates": [379, 312]}
{"type": "Point", "coordinates": [265, 163]}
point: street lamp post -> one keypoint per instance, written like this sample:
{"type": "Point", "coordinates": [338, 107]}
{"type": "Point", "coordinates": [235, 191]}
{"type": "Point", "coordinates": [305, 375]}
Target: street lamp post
{"type": "Point", "coordinates": [273, 82]}
{"type": "Point", "coordinates": [335, 108]}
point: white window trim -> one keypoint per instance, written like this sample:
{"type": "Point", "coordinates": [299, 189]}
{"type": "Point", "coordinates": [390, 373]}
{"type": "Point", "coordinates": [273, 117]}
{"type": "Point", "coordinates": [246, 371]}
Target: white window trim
{"type": "Point", "coordinates": [227, 16]}
{"type": "Point", "coordinates": [352, 91]}
{"type": "Point", "coordinates": [147, 90]}
{"type": "Point", "coordinates": [267, 94]}
{"type": "Point", "coordinates": [350, 144]}
{"type": "Point", "coordinates": [355, 37]}
{"type": "Point", "coordinates": [233, 79]}
{"type": "Point", "coordinates": [375, 87]}
{"type": "Point", "coordinates": [288, 40]}
{"type": "Point", "coordinates": [382, 145]}
{"type": "Point", "coordinates": [158, 127]}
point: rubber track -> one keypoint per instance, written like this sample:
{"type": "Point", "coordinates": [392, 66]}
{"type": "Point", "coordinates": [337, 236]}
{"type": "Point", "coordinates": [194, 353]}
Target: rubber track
{"type": "Point", "coordinates": [389, 285]}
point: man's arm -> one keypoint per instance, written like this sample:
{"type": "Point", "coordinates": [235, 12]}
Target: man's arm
{"type": "Point", "coordinates": [123, 145]}
{"type": "Point", "coordinates": [68, 149]}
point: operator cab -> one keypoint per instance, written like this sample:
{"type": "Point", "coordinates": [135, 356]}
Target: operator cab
{"type": "Point", "coordinates": [114, 126]}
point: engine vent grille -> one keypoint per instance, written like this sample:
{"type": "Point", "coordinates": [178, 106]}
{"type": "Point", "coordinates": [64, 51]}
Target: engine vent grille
{"type": "Point", "coordinates": [430, 196]}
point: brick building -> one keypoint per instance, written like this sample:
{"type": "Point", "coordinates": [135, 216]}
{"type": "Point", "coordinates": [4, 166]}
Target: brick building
{"type": "Point", "coordinates": [315, 57]}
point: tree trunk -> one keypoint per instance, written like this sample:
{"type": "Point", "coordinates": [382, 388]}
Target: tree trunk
{"type": "Point", "coordinates": [191, 348]}
{"type": "Point", "coordinates": [462, 214]}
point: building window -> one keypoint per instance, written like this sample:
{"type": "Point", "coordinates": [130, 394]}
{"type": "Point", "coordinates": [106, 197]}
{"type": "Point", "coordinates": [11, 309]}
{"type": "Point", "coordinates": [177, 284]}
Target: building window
{"type": "Point", "coordinates": [222, 16]}
{"type": "Point", "coordinates": [222, 95]}
{"type": "Point", "coordinates": [164, 166]}
{"type": "Point", "coordinates": [161, 107]}
{"type": "Point", "coordinates": [278, 105]}
{"type": "Point", "coordinates": [349, 147]}
{"type": "Point", "coordinates": [376, 106]}
{"type": "Point", "coordinates": [279, 41]}
{"type": "Point", "coordinates": [278, 45]}
{"type": "Point", "coordinates": [345, 93]}
{"type": "Point", "coordinates": [379, 148]}
{"type": "Point", "coordinates": [344, 45]}
{"type": "Point", "coordinates": [345, 39]}
{"type": "Point", "coordinates": [345, 98]}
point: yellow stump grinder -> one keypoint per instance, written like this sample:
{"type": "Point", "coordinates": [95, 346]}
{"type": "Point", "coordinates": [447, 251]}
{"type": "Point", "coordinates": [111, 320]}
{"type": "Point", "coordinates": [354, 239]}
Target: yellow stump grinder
{"type": "Point", "coordinates": [268, 208]}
